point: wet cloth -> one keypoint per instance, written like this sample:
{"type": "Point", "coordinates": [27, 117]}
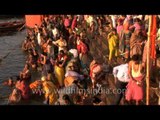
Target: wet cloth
{"type": "Point", "coordinates": [59, 73]}
{"type": "Point", "coordinates": [69, 80]}
{"type": "Point", "coordinates": [35, 84]}
{"type": "Point", "coordinates": [50, 92]}
{"type": "Point", "coordinates": [134, 91]}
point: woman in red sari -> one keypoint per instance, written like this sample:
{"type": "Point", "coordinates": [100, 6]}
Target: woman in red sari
{"type": "Point", "coordinates": [135, 86]}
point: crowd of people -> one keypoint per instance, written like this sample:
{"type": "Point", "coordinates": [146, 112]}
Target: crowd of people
{"type": "Point", "coordinates": [59, 50]}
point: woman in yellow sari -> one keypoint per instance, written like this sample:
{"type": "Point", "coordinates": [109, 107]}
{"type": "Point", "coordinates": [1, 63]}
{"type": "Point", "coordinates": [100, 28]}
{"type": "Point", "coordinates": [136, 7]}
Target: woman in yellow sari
{"type": "Point", "coordinates": [113, 42]}
{"type": "Point", "coordinates": [59, 67]}
{"type": "Point", "coordinates": [50, 90]}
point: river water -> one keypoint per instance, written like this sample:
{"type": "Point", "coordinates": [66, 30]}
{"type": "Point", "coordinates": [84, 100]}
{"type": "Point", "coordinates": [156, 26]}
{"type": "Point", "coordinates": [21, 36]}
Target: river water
{"type": "Point", "coordinates": [13, 63]}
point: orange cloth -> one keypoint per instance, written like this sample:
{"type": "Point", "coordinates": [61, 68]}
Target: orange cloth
{"type": "Point", "coordinates": [31, 20]}
{"type": "Point", "coordinates": [69, 80]}
{"type": "Point", "coordinates": [153, 36]}
{"type": "Point", "coordinates": [35, 84]}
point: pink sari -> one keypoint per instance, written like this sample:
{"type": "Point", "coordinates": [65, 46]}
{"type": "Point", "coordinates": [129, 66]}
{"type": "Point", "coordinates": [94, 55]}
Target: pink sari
{"type": "Point", "coordinates": [134, 91]}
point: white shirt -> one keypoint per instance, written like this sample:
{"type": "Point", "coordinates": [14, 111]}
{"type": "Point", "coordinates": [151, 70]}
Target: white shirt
{"type": "Point", "coordinates": [121, 72]}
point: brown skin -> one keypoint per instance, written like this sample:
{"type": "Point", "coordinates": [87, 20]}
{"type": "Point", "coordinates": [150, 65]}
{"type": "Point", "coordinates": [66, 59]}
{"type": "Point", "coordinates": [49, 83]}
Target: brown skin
{"type": "Point", "coordinates": [64, 61]}
{"type": "Point", "coordinates": [9, 83]}
{"type": "Point", "coordinates": [135, 67]}
{"type": "Point", "coordinates": [44, 59]}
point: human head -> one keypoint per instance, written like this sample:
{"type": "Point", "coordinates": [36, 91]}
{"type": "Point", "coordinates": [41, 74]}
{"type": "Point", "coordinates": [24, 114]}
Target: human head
{"type": "Point", "coordinates": [17, 77]}
{"type": "Point", "coordinates": [120, 21]}
{"type": "Point", "coordinates": [96, 100]}
{"type": "Point", "coordinates": [61, 37]}
{"type": "Point", "coordinates": [61, 52]}
{"type": "Point", "coordinates": [114, 31]}
{"type": "Point", "coordinates": [77, 99]}
{"type": "Point", "coordinates": [136, 58]}
{"type": "Point", "coordinates": [66, 98]}
{"type": "Point", "coordinates": [43, 78]}
{"type": "Point", "coordinates": [27, 66]}
{"type": "Point", "coordinates": [129, 17]}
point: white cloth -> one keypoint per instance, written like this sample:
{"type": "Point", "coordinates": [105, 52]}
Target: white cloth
{"type": "Point", "coordinates": [75, 74]}
{"type": "Point", "coordinates": [39, 38]}
{"type": "Point", "coordinates": [121, 72]}
{"type": "Point", "coordinates": [74, 52]}
{"type": "Point", "coordinates": [55, 32]}
{"type": "Point", "coordinates": [113, 17]}
{"type": "Point", "coordinates": [158, 34]}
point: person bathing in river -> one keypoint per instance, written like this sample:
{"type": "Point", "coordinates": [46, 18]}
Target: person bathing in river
{"type": "Point", "coordinates": [9, 82]}
{"type": "Point", "coordinates": [24, 89]}
{"type": "Point", "coordinates": [32, 60]}
{"type": "Point", "coordinates": [25, 74]}
{"type": "Point", "coordinates": [15, 97]}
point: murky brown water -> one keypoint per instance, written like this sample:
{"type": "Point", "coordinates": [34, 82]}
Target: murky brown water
{"type": "Point", "coordinates": [10, 66]}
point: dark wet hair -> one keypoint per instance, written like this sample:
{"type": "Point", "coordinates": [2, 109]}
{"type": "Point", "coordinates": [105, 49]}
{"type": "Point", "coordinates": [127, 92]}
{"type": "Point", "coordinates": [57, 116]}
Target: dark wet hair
{"type": "Point", "coordinates": [136, 58]}
{"type": "Point", "coordinates": [66, 97]}
{"type": "Point", "coordinates": [114, 30]}
{"type": "Point", "coordinates": [17, 77]}
{"type": "Point", "coordinates": [61, 51]}
{"type": "Point", "coordinates": [96, 100]}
